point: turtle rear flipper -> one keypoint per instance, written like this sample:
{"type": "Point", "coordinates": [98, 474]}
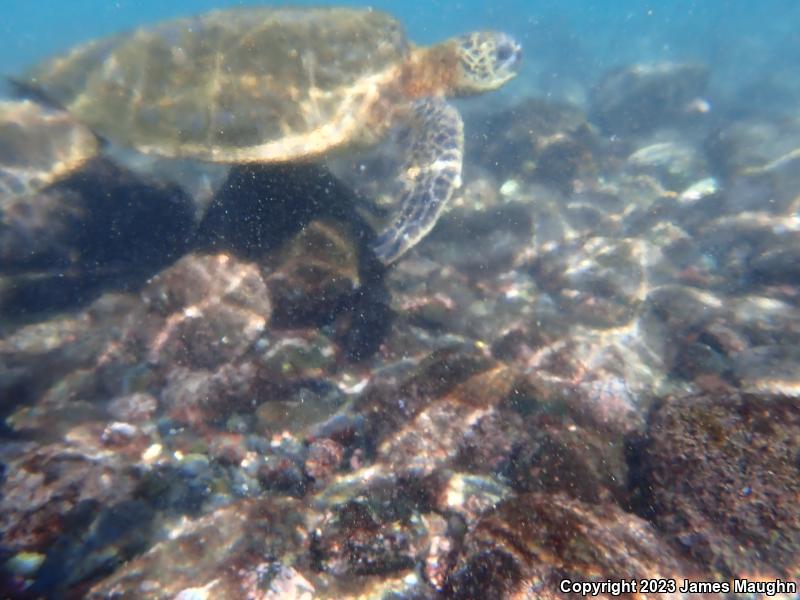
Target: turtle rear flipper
{"type": "Point", "coordinates": [430, 175]}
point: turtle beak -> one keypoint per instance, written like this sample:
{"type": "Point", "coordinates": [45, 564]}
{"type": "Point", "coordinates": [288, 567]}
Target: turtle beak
{"type": "Point", "coordinates": [517, 58]}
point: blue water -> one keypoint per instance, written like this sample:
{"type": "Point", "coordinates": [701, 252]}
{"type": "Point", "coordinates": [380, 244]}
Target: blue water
{"type": "Point", "coordinates": [745, 43]}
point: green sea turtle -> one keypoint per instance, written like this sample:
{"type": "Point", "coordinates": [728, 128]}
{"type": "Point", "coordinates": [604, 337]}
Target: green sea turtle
{"type": "Point", "coordinates": [286, 84]}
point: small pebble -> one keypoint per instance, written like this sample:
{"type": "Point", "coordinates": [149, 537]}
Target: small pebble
{"type": "Point", "coordinates": [510, 188]}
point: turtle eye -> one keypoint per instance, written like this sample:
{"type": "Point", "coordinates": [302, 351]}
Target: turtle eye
{"type": "Point", "coordinates": [504, 52]}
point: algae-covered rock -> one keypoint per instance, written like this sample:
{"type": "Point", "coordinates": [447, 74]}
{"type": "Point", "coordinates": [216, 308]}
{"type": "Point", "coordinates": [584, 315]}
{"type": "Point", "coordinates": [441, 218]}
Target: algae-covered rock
{"type": "Point", "coordinates": [719, 476]}
{"type": "Point", "coordinates": [639, 98]}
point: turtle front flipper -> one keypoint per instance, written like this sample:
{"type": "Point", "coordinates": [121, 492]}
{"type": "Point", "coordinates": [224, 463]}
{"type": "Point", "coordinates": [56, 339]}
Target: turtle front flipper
{"type": "Point", "coordinates": [430, 175]}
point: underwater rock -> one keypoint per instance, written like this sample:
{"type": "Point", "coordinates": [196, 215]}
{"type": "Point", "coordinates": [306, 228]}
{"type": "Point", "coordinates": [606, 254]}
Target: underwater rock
{"type": "Point", "coordinates": [413, 303]}
{"type": "Point", "coordinates": [232, 552]}
{"type": "Point", "coordinates": [204, 398]}
{"type": "Point", "coordinates": [682, 308]}
{"type": "Point", "coordinates": [181, 483]}
{"type": "Point", "coordinates": [768, 195]}
{"type": "Point", "coordinates": [754, 147]}
{"type": "Point", "coordinates": [324, 458]}
{"type": "Point", "coordinates": [45, 483]}
{"type": "Point", "coordinates": [374, 522]}
{"type": "Point", "coordinates": [315, 275]}
{"type": "Point", "coordinates": [40, 145]}
{"type": "Point", "coordinates": [55, 360]}
{"type": "Point", "coordinates": [696, 358]}
{"type": "Point", "coordinates": [431, 438]}
{"type": "Point", "coordinates": [460, 284]}
{"type": "Point", "coordinates": [392, 400]}
{"type": "Point", "coordinates": [530, 543]}
{"type": "Point", "coordinates": [684, 317]}
{"type": "Point", "coordinates": [424, 318]}
{"type": "Point", "coordinates": [477, 242]}
{"type": "Point", "coordinates": [600, 379]}
{"type": "Point", "coordinates": [469, 496]}
{"type": "Point", "coordinates": [303, 408]}
{"type": "Point", "coordinates": [98, 227]}
{"type": "Point", "coordinates": [640, 98]}
{"type": "Point", "coordinates": [482, 193]}
{"type": "Point", "coordinates": [674, 162]}
{"type": "Point", "coordinates": [132, 408]}
{"type": "Point", "coordinates": [489, 444]}
{"type": "Point", "coordinates": [670, 220]}
{"type": "Point", "coordinates": [714, 334]}
{"type": "Point", "coordinates": [743, 243]}
{"type": "Point", "coordinates": [388, 499]}
{"type": "Point", "coordinates": [536, 139]}
{"type": "Point", "coordinates": [707, 350]}
{"type": "Point", "coordinates": [718, 474]}
{"type": "Point", "coordinates": [574, 461]}
{"type": "Point", "coordinates": [589, 211]}
{"type": "Point", "coordinates": [356, 542]}
{"type": "Point", "coordinates": [422, 425]}
{"type": "Point", "coordinates": [97, 540]}
{"type": "Point", "coordinates": [213, 308]}
{"type": "Point", "coordinates": [598, 281]}
{"type": "Point", "coordinates": [289, 584]}
{"type": "Point", "coordinates": [57, 341]}
{"type": "Point", "coordinates": [766, 320]}
{"type": "Point", "coordinates": [777, 266]}
{"type": "Point", "coordinates": [282, 472]}
{"type": "Point", "coordinates": [296, 355]}
{"type": "Point", "coordinates": [40, 230]}
{"type": "Point", "coordinates": [228, 449]}
{"type": "Point", "coordinates": [768, 370]}
{"type": "Point", "coordinates": [537, 431]}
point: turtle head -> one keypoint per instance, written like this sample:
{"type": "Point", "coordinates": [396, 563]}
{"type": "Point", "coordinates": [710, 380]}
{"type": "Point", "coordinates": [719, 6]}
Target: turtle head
{"type": "Point", "coordinates": [486, 60]}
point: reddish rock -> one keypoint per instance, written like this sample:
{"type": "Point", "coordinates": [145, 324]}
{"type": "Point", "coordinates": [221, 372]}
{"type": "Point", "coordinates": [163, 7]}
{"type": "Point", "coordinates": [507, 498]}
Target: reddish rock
{"type": "Point", "coordinates": [719, 476]}
{"type": "Point", "coordinates": [227, 449]}
{"type": "Point", "coordinates": [575, 461]}
{"type": "Point", "coordinates": [530, 543]}
{"type": "Point", "coordinates": [212, 307]}
{"type": "Point", "coordinates": [357, 542]}
{"type": "Point", "coordinates": [436, 425]}
{"type": "Point", "coordinates": [44, 483]}
{"type": "Point", "coordinates": [324, 458]}
{"type": "Point", "coordinates": [204, 398]}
